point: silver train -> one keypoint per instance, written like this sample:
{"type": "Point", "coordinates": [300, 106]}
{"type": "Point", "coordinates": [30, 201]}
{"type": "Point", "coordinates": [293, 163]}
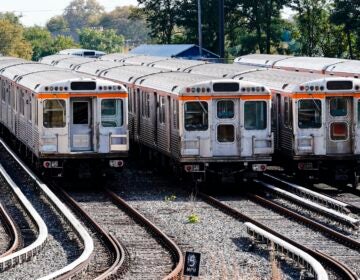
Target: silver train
{"type": "Point", "coordinates": [314, 116]}
{"type": "Point", "coordinates": [321, 65]}
{"type": "Point", "coordinates": [61, 120]}
{"type": "Point", "coordinates": [196, 124]}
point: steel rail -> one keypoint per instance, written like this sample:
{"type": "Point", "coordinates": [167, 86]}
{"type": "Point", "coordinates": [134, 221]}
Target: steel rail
{"type": "Point", "coordinates": [12, 230]}
{"type": "Point", "coordinates": [67, 215]}
{"type": "Point", "coordinates": [165, 240]}
{"type": "Point", "coordinates": [119, 264]}
{"type": "Point", "coordinates": [342, 269]}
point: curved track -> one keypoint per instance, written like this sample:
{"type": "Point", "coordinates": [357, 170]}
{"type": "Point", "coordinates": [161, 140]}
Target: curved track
{"type": "Point", "coordinates": [342, 271]}
{"type": "Point", "coordinates": [150, 253]}
{"type": "Point", "coordinates": [11, 233]}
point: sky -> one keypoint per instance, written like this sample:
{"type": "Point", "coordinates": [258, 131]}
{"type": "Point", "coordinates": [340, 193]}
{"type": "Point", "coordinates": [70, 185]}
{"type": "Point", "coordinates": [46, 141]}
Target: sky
{"type": "Point", "coordinates": [38, 12]}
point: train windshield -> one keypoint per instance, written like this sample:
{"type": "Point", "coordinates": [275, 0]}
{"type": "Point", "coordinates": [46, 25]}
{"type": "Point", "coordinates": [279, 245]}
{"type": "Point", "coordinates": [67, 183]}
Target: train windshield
{"type": "Point", "coordinates": [54, 113]}
{"type": "Point", "coordinates": [338, 107]}
{"type": "Point", "coordinates": [112, 113]}
{"type": "Point", "coordinates": [196, 116]}
{"type": "Point", "coordinates": [225, 109]}
{"type": "Point", "coordinates": [255, 115]}
{"type": "Point", "coordinates": [310, 113]}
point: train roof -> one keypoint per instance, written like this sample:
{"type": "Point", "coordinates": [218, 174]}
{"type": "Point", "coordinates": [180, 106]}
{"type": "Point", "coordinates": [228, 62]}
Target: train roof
{"type": "Point", "coordinates": [180, 83]}
{"type": "Point", "coordinates": [37, 76]}
{"type": "Point", "coordinates": [287, 81]}
{"type": "Point", "coordinates": [263, 60]}
{"type": "Point", "coordinates": [83, 52]}
{"type": "Point", "coordinates": [129, 73]}
{"type": "Point", "coordinates": [142, 60]}
{"type": "Point", "coordinates": [117, 56]}
{"type": "Point", "coordinates": [176, 64]}
{"type": "Point", "coordinates": [349, 68]}
{"type": "Point", "coordinates": [221, 70]}
{"type": "Point", "coordinates": [311, 64]}
{"type": "Point", "coordinates": [72, 61]}
{"type": "Point", "coordinates": [51, 59]}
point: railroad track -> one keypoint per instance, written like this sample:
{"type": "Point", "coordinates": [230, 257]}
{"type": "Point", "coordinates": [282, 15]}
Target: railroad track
{"type": "Point", "coordinates": [61, 245]}
{"type": "Point", "coordinates": [332, 254]}
{"type": "Point", "coordinates": [150, 253]}
{"type": "Point", "coordinates": [9, 234]}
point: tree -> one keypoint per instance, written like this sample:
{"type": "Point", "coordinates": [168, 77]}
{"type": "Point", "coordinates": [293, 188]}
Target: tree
{"type": "Point", "coordinates": [43, 44]}
{"type": "Point", "coordinates": [121, 19]}
{"type": "Point", "coordinates": [12, 41]}
{"type": "Point", "coordinates": [161, 17]}
{"type": "Point", "coordinates": [82, 13]}
{"type": "Point", "coordinates": [10, 17]}
{"type": "Point", "coordinates": [102, 40]}
{"type": "Point", "coordinates": [347, 14]}
{"type": "Point", "coordinates": [58, 25]}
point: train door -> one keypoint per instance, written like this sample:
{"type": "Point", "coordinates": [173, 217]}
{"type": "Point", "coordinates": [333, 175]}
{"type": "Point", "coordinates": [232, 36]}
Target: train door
{"type": "Point", "coordinates": [339, 125]}
{"type": "Point", "coordinates": [156, 118]}
{"type": "Point", "coordinates": [225, 128]}
{"type": "Point", "coordinates": [278, 121]}
{"type": "Point", "coordinates": [81, 124]}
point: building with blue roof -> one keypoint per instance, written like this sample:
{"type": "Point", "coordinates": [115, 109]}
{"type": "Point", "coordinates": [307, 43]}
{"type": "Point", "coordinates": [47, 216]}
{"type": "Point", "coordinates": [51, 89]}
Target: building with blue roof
{"type": "Point", "coordinates": [185, 51]}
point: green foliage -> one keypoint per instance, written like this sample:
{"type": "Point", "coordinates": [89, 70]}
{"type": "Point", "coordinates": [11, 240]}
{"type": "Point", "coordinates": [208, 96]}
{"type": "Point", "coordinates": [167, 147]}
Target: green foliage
{"type": "Point", "coordinates": [43, 44]}
{"type": "Point", "coordinates": [102, 40]}
{"type": "Point", "coordinates": [170, 198]}
{"type": "Point", "coordinates": [127, 22]}
{"type": "Point", "coordinates": [193, 219]}
{"type": "Point", "coordinates": [12, 41]}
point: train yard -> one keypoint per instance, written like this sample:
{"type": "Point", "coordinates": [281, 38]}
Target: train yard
{"type": "Point", "coordinates": [254, 168]}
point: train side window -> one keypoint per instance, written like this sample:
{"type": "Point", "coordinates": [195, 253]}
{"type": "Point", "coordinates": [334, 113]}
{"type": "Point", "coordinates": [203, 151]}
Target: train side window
{"type": "Point", "coordinates": [162, 109]}
{"type": "Point", "coordinates": [112, 113]}
{"type": "Point", "coordinates": [226, 133]}
{"type": "Point", "coordinates": [54, 113]}
{"type": "Point", "coordinates": [255, 115]}
{"type": "Point", "coordinates": [196, 116]}
{"type": "Point", "coordinates": [175, 110]}
{"type": "Point", "coordinates": [145, 105]}
{"type": "Point", "coordinates": [288, 112]}
{"type": "Point", "coordinates": [30, 109]}
{"type": "Point", "coordinates": [22, 104]}
{"type": "Point", "coordinates": [130, 100]}
{"type": "Point", "coordinates": [309, 113]}
{"type": "Point", "coordinates": [36, 113]}
{"type": "Point", "coordinates": [225, 109]}
{"type": "Point", "coordinates": [338, 107]}
{"type": "Point", "coordinates": [358, 113]}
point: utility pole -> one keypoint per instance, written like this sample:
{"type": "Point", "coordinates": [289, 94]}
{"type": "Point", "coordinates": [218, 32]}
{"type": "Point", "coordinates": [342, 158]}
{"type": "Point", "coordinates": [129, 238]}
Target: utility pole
{"type": "Point", "coordinates": [221, 30]}
{"type": "Point", "coordinates": [200, 29]}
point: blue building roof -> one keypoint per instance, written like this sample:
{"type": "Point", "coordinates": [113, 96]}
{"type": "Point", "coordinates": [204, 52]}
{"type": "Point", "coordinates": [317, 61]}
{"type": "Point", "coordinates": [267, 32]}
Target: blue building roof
{"type": "Point", "coordinates": [189, 51]}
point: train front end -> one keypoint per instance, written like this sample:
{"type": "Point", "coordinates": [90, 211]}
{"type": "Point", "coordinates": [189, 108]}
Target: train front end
{"type": "Point", "coordinates": [83, 127]}
{"type": "Point", "coordinates": [327, 131]}
{"type": "Point", "coordinates": [225, 129]}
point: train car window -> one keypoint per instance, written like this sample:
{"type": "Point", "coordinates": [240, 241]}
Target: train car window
{"type": "Point", "coordinates": [30, 110]}
{"type": "Point", "coordinates": [22, 104]}
{"type": "Point", "coordinates": [83, 86]}
{"type": "Point", "coordinates": [288, 112]}
{"type": "Point", "coordinates": [358, 109]}
{"type": "Point", "coordinates": [255, 115]}
{"type": "Point", "coordinates": [225, 109]}
{"type": "Point", "coordinates": [147, 105]}
{"type": "Point", "coordinates": [338, 107]}
{"type": "Point", "coordinates": [309, 113]}
{"type": "Point", "coordinates": [112, 113]}
{"type": "Point", "coordinates": [36, 113]}
{"type": "Point", "coordinates": [54, 113]}
{"type": "Point", "coordinates": [175, 114]}
{"type": "Point", "coordinates": [225, 133]}
{"type": "Point", "coordinates": [196, 116]}
{"type": "Point", "coordinates": [339, 131]}
{"type": "Point", "coordinates": [80, 112]}
{"type": "Point", "coordinates": [162, 109]}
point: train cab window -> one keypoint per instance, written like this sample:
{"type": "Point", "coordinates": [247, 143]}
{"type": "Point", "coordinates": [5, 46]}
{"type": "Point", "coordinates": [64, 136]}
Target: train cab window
{"type": "Point", "coordinates": [255, 115]}
{"type": "Point", "coordinates": [80, 112]}
{"type": "Point", "coordinates": [338, 107]}
{"type": "Point", "coordinates": [112, 113]}
{"type": "Point", "coordinates": [196, 116]}
{"type": "Point", "coordinates": [287, 112]}
{"type": "Point", "coordinates": [225, 133]}
{"type": "Point", "coordinates": [225, 109]}
{"type": "Point", "coordinates": [310, 113]}
{"type": "Point", "coordinates": [54, 113]}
